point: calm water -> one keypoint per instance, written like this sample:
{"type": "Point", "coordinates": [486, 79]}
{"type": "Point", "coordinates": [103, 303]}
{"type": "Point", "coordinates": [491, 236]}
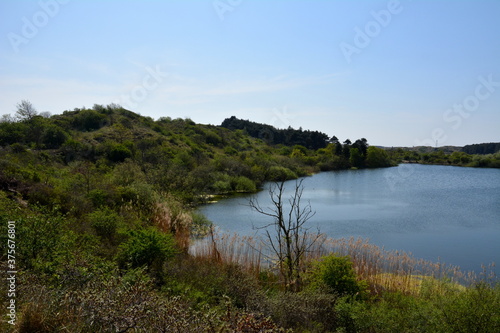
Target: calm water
{"type": "Point", "coordinates": [441, 213]}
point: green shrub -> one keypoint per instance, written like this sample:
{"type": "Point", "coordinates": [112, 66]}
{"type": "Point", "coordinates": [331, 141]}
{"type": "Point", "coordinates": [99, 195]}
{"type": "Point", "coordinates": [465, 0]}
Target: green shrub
{"type": "Point", "coordinates": [222, 186]}
{"type": "Point", "coordinates": [54, 136]}
{"type": "Point", "coordinates": [279, 173]}
{"type": "Point", "coordinates": [18, 148]}
{"type": "Point", "coordinates": [98, 197]}
{"type": "Point", "coordinates": [88, 120]}
{"type": "Point", "coordinates": [118, 153]}
{"type": "Point", "coordinates": [104, 221]}
{"type": "Point", "coordinates": [337, 275]}
{"type": "Point", "coordinates": [472, 310]}
{"type": "Point", "coordinates": [41, 238]}
{"type": "Point", "coordinates": [146, 247]}
{"type": "Point", "coordinates": [243, 184]}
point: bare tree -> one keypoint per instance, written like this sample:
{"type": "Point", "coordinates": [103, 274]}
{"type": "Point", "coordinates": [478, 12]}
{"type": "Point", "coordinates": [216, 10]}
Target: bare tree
{"type": "Point", "coordinates": [45, 114]}
{"type": "Point", "coordinates": [7, 118]}
{"type": "Point", "coordinates": [25, 110]}
{"type": "Point", "coordinates": [290, 240]}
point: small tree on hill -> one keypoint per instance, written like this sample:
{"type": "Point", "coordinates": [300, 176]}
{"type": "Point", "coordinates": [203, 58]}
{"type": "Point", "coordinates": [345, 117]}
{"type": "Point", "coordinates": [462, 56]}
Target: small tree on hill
{"type": "Point", "coordinates": [25, 110]}
{"type": "Point", "coordinates": [291, 239]}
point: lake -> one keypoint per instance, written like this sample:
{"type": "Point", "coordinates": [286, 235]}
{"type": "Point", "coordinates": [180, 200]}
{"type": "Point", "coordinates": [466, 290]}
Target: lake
{"type": "Point", "coordinates": [444, 213]}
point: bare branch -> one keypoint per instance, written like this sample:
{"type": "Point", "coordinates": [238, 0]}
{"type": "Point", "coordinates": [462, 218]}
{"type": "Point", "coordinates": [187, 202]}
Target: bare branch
{"type": "Point", "coordinates": [292, 239]}
{"type": "Point", "coordinates": [25, 110]}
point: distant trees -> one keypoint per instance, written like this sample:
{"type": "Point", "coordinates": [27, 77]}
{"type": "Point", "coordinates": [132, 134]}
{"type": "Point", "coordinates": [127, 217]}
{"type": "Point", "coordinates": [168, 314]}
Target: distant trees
{"type": "Point", "coordinates": [377, 158]}
{"type": "Point", "coordinates": [356, 158]}
{"type": "Point", "coordinates": [274, 136]}
{"type": "Point", "coordinates": [446, 156]}
{"type": "Point", "coordinates": [482, 148]}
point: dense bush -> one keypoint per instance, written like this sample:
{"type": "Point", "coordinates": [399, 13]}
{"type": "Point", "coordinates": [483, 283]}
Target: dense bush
{"type": "Point", "coordinates": [146, 247]}
{"type": "Point", "coordinates": [118, 153]}
{"type": "Point", "coordinates": [105, 222]}
{"type": "Point", "coordinates": [336, 274]}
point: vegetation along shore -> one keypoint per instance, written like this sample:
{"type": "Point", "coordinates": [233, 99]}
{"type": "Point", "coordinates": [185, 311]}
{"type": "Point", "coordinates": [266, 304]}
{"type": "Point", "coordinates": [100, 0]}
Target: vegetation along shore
{"type": "Point", "coordinates": [102, 204]}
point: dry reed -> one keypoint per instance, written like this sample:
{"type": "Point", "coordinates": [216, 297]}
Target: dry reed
{"type": "Point", "coordinates": [383, 270]}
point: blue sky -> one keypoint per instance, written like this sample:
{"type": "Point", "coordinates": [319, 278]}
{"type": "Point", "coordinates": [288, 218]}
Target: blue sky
{"type": "Point", "coordinates": [399, 73]}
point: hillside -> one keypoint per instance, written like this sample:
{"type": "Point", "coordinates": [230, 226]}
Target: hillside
{"type": "Point", "coordinates": [99, 228]}
{"type": "Point", "coordinates": [176, 155]}
{"type": "Point", "coordinates": [482, 148]}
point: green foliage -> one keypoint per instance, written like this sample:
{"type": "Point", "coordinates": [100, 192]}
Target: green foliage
{"type": "Point", "coordinates": [97, 197]}
{"type": "Point", "coordinates": [472, 310]}
{"type": "Point", "coordinates": [377, 158]}
{"type": "Point", "coordinates": [11, 133]}
{"type": "Point", "coordinates": [119, 152]}
{"type": "Point", "coordinates": [337, 275]}
{"type": "Point", "coordinates": [243, 184]}
{"type": "Point", "coordinates": [447, 156]}
{"type": "Point", "coordinates": [271, 135]}
{"type": "Point", "coordinates": [41, 236]}
{"type": "Point", "coordinates": [146, 247]}
{"type": "Point", "coordinates": [54, 137]}
{"type": "Point", "coordinates": [355, 158]}
{"type": "Point", "coordinates": [86, 186]}
{"type": "Point", "coordinates": [18, 148]}
{"type": "Point", "coordinates": [105, 222]}
{"type": "Point", "coordinates": [279, 173]}
{"type": "Point", "coordinates": [482, 148]}
{"type": "Point", "coordinates": [88, 120]}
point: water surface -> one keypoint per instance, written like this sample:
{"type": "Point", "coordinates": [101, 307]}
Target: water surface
{"type": "Point", "coordinates": [444, 213]}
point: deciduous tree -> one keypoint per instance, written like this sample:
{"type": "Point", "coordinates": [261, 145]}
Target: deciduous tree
{"type": "Point", "coordinates": [290, 240]}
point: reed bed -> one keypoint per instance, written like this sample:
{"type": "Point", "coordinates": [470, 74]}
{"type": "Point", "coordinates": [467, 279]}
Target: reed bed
{"type": "Point", "coordinates": [225, 248]}
{"type": "Point", "coordinates": [383, 270]}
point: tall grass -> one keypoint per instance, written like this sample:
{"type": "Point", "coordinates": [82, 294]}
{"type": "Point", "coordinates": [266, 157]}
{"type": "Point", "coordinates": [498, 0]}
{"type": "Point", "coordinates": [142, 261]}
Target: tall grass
{"type": "Point", "coordinates": [384, 270]}
{"type": "Point", "coordinates": [231, 249]}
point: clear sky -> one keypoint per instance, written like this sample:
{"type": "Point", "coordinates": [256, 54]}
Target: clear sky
{"type": "Point", "coordinates": [399, 73]}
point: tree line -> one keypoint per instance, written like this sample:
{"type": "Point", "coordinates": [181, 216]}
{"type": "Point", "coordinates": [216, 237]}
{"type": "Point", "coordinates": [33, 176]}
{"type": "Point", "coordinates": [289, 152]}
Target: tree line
{"type": "Point", "coordinates": [274, 136]}
{"type": "Point", "coordinates": [482, 148]}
